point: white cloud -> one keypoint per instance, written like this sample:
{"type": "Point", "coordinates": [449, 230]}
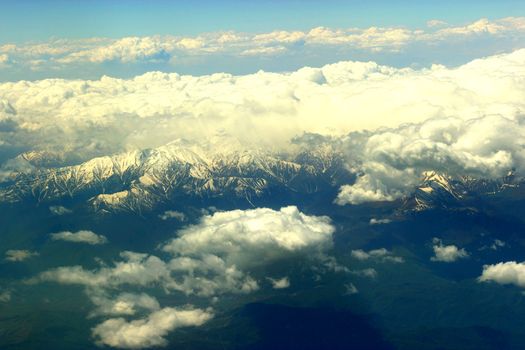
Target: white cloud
{"type": "Point", "coordinates": [4, 60]}
{"type": "Point", "coordinates": [263, 233]}
{"type": "Point", "coordinates": [126, 50]}
{"type": "Point", "coordinates": [436, 23]}
{"type": "Point", "coordinates": [59, 210]}
{"type": "Point", "coordinates": [150, 331]}
{"type": "Point", "coordinates": [15, 255]}
{"type": "Point", "coordinates": [281, 36]}
{"type": "Point", "coordinates": [280, 283]}
{"type": "Point", "coordinates": [214, 256]}
{"type": "Point", "coordinates": [373, 38]}
{"type": "Point", "coordinates": [5, 295]}
{"type": "Point", "coordinates": [228, 244]}
{"type": "Point", "coordinates": [351, 289]}
{"type": "Point", "coordinates": [263, 51]}
{"type": "Point", "coordinates": [510, 272]}
{"type": "Point", "coordinates": [497, 244]}
{"type": "Point", "coordinates": [82, 236]}
{"type": "Point", "coordinates": [122, 304]}
{"type": "Point", "coordinates": [447, 253]}
{"type": "Point", "coordinates": [156, 108]}
{"type": "Point", "coordinates": [380, 254]}
{"type": "Point", "coordinates": [135, 269]}
{"type": "Point", "coordinates": [225, 252]}
{"type": "Point", "coordinates": [374, 221]}
{"type": "Point", "coordinates": [58, 54]}
{"type": "Point", "coordinates": [172, 214]}
{"type": "Point", "coordinates": [392, 161]}
{"type": "Point", "coordinates": [482, 25]}
{"type": "Point", "coordinates": [360, 254]}
{"type": "Point", "coordinates": [428, 119]}
{"type": "Point", "coordinates": [368, 272]}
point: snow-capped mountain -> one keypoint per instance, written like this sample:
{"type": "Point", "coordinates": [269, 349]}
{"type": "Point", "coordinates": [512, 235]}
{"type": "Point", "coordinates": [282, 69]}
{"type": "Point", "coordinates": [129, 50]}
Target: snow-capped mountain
{"type": "Point", "coordinates": [439, 190]}
{"type": "Point", "coordinates": [219, 168]}
{"type": "Point", "coordinates": [138, 180]}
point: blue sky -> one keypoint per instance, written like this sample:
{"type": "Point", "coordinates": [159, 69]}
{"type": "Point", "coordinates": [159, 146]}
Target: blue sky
{"type": "Point", "coordinates": [25, 20]}
{"type": "Point", "coordinates": [89, 39]}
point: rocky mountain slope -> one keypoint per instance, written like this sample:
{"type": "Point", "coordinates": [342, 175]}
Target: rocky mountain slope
{"type": "Point", "coordinates": [139, 180]}
{"type": "Point", "coordinates": [439, 190]}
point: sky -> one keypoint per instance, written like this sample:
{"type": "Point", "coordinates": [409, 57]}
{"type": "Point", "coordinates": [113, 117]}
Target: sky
{"type": "Point", "coordinates": [26, 20]}
{"type": "Point", "coordinates": [90, 39]}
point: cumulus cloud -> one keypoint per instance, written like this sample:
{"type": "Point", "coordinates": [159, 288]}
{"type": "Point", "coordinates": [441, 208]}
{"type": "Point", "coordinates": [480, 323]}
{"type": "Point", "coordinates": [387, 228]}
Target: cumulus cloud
{"type": "Point", "coordinates": [15, 255]}
{"type": "Point", "coordinates": [380, 254]}
{"type": "Point", "coordinates": [135, 269]}
{"type": "Point", "coordinates": [59, 210]}
{"type": "Point", "coordinates": [510, 272]}
{"type": "Point", "coordinates": [4, 60]}
{"type": "Point", "coordinates": [368, 272]}
{"type": "Point", "coordinates": [228, 244]}
{"type": "Point", "coordinates": [150, 331]}
{"type": "Point", "coordinates": [225, 252]}
{"type": "Point", "coordinates": [447, 253]}
{"type": "Point", "coordinates": [436, 23]}
{"type": "Point", "coordinates": [264, 51]}
{"type": "Point", "coordinates": [497, 244]}
{"type": "Point", "coordinates": [350, 289]}
{"type": "Point", "coordinates": [172, 214]}
{"type": "Point", "coordinates": [224, 245]}
{"type": "Point", "coordinates": [447, 108]}
{"type": "Point", "coordinates": [374, 221]}
{"type": "Point", "coordinates": [82, 236]}
{"type": "Point", "coordinates": [5, 295]}
{"type": "Point", "coordinates": [263, 233]}
{"type": "Point", "coordinates": [428, 119]}
{"type": "Point", "coordinates": [126, 50]}
{"type": "Point", "coordinates": [122, 304]}
{"type": "Point", "coordinates": [393, 161]}
{"type": "Point", "coordinates": [482, 25]}
{"type": "Point", "coordinates": [280, 283]}
{"type": "Point", "coordinates": [59, 53]}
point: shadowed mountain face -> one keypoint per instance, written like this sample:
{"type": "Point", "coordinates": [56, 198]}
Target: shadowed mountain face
{"type": "Point", "coordinates": [283, 327]}
{"type": "Point", "coordinates": [438, 190]}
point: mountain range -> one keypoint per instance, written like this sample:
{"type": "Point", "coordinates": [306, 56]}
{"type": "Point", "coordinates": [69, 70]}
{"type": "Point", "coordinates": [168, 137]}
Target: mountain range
{"type": "Point", "coordinates": [141, 180]}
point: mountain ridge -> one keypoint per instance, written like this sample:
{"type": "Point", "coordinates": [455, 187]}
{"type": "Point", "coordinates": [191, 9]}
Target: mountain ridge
{"type": "Point", "coordinates": [141, 180]}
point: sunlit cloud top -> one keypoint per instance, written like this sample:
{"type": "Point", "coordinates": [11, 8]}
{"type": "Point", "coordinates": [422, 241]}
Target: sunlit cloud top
{"type": "Point", "coordinates": [242, 52]}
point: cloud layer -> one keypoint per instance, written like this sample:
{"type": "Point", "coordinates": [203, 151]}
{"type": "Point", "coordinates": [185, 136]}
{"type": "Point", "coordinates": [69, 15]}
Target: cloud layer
{"type": "Point", "coordinates": [61, 121]}
{"type": "Point", "coordinates": [320, 44]}
{"type": "Point", "coordinates": [392, 161]}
